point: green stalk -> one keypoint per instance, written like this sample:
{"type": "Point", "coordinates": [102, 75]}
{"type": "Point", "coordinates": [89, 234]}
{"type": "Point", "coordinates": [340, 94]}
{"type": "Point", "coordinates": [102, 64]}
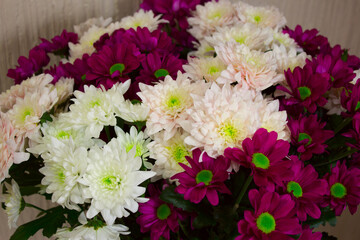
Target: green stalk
{"type": "Point", "coordinates": [242, 192]}
{"type": "Point", "coordinates": [342, 125]}
{"type": "Point", "coordinates": [36, 207]}
{"type": "Point", "coordinates": [336, 158]}
{"type": "Point", "coordinates": [107, 131]}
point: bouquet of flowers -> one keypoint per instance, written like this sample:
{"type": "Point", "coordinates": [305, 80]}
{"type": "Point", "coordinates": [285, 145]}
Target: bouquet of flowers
{"type": "Point", "coordinates": [191, 119]}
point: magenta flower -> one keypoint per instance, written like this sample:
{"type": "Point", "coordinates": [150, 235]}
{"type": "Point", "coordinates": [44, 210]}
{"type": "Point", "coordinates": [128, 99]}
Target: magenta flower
{"type": "Point", "coordinates": [350, 99]}
{"type": "Point", "coordinates": [344, 188]}
{"type": "Point", "coordinates": [264, 154]}
{"type": "Point", "coordinates": [116, 37]}
{"type": "Point", "coordinates": [59, 44]}
{"type": "Point", "coordinates": [354, 133]}
{"type": "Point", "coordinates": [308, 234]}
{"type": "Point", "coordinates": [29, 66]}
{"type": "Point", "coordinates": [158, 217]}
{"type": "Point", "coordinates": [306, 88]}
{"type": "Point", "coordinates": [113, 64]}
{"type": "Point", "coordinates": [309, 136]}
{"type": "Point", "coordinates": [205, 177]}
{"type": "Point", "coordinates": [309, 40]}
{"type": "Point", "coordinates": [305, 189]}
{"type": "Point", "coordinates": [272, 217]}
{"type": "Point", "coordinates": [351, 60]}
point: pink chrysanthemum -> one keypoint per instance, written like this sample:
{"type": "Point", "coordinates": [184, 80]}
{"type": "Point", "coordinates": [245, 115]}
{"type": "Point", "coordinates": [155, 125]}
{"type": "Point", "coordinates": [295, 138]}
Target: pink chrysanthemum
{"type": "Point", "coordinates": [344, 188]}
{"type": "Point", "coordinates": [350, 99]}
{"type": "Point", "coordinates": [272, 217]}
{"type": "Point", "coordinates": [205, 177]}
{"type": "Point", "coordinates": [305, 189]}
{"type": "Point", "coordinates": [157, 216]}
{"type": "Point", "coordinates": [309, 136]}
{"type": "Point", "coordinates": [264, 154]}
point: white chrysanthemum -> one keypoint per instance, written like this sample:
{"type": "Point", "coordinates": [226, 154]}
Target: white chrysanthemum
{"type": "Point", "coordinates": [28, 86]}
{"type": "Point", "coordinates": [248, 34]}
{"type": "Point", "coordinates": [333, 104]}
{"type": "Point", "coordinates": [95, 108]}
{"type": "Point", "coordinates": [169, 154]}
{"type": "Point", "coordinates": [168, 101]}
{"type": "Point", "coordinates": [283, 39]}
{"type": "Point", "coordinates": [136, 139]}
{"type": "Point", "coordinates": [288, 58]}
{"type": "Point", "coordinates": [142, 19]}
{"type": "Point", "coordinates": [207, 69]}
{"type": "Point", "coordinates": [112, 180]}
{"type": "Point", "coordinates": [92, 230]}
{"type": "Point", "coordinates": [13, 202]}
{"type": "Point", "coordinates": [64, 165]}
{"type": "Point", "coordinates": [204, 49]}
{"type": "Point", "coordinates": [100, 22]}
{"type": "Point", "coordinates": [357, 72]}
{"type": "Point", "coordinates": [206, 18]}
{"type": "Point", "coordinates": [130, 112]}
{"type": "Point", "coordinates": [64, 88]}
{"type": "Point", "coordinates": [261, 16]}
{"type": "Point", "coordinates": [274, 120]}
{"type": "Point", "coordinates": [86, 43]}
{"type": "Point", "coordinates": [248, 67]}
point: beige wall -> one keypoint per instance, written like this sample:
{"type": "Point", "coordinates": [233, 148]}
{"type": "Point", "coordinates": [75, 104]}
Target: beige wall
{"type": "Point", "coordinates": [22, 22]}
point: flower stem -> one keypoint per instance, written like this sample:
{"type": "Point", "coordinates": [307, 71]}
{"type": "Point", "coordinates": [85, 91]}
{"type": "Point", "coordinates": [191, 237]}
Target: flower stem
{"type": "Point", "coordinates": [342, 125]}
{"type": "Point", "coordinates": [336, 158]}
{"type": "Point", "coordinates": [184, 230]}
{"type": "Point", "coordinates": [107, 131]}
{"type": "Point", "coordinates": [36, 207]}
{"type": "Point", "coordinates": [242, 192]}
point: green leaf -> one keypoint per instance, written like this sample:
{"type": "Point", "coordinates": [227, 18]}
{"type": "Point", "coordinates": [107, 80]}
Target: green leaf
{"type": "Point", "coordinates": [327, 215]}
{"type": "Point", "coordinates": [46, 117]}
{"type": "Point", "coordinates": [29, 190]}
{"type": "Point", "coordinates": [170, 196]}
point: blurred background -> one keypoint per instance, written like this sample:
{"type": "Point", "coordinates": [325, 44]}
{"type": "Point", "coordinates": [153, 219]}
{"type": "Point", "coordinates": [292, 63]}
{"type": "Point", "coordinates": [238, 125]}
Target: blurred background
{"type": "Point", "coordinates": [22, 23]}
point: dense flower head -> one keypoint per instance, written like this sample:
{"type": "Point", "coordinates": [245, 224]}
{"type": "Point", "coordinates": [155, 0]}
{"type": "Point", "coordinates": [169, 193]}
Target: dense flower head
{"type": "Point", "coordinates": [78, 70]}
{"type": "Point", "coordinates": [204, 177]}
{"type": "Point", "coordinates": [309, 136]}
{"type": "Point", "coordinates": [305, 89]}
{"type": "Point", "coordinates": [350, 99]}
{"type": "Point", "coordinates": [157, 216]}
{"type": "Point", "coordinates": [272, 217]}
{"type": "Point", "coordinates": [59, 44]}
{"type": "Point", "coordinates": [351, 60]}
{"type": "Point", "coordinates": [13, 202]}
{"type": "Point", "coordinates": [113, 64]}
{"type": "Point", "coordinates": [142, 19]}
{"type": "Point", "coordinates": [309, 40]}
{"type": "Point", "coordinates": [305, 189]}
{"type": "Point", "coordinates": [343, 189]}
{"type": "Point", "coordinates": [264, 154]}
{"type": "Point", "coordinates": [28, 66]}
{"type": "Point", "coordinates": [208, 69]}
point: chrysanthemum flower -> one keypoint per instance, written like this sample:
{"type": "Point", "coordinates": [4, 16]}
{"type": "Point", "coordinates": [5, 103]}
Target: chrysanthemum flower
{"type": "Point", "coordinates": [272, 217]}
{"type": "Point", "coordinates": [309, 40]}
{"type": "Point", "coordinates": [157, 216]}
{"type": "Point", "coordinates": [205, 177]}
{"type": "Point", "coordinates": [93, 229]}
{"type": "Point", "coordinates": [354, 133]}
{"type": "Point", "coordinates": [59, 44]}
{"type": "Point", "coordinates": [333, 104]}
{"type": "Point", "coordinates": [248, 67]}
{"type": "Point", "coordinates": [264, 154]}
{"type": "Point", "coordinates": [261, 16]}
{"type": "Point", "coordinates": [350, 99]}
{"type": "Point", "coordinates": [210, 16]}
{"type": "Point", "coordinates": [305, 189]}
{"type": "Point", "coordinates": [208, 69]}
{"type": "Point", "coordinates": [288, 59]}
{"type": "Point", "coordinates": [203, 50]}
{"type": "Point", "coordinates": [283, 39]}
{"type": "Point", "coordinates": [83, 27]}
{"type": "Point", "coordinates": [112, 65]}
{"type": "Point", "coordinates": [13, 202]}
{"type": "Point", "coordinates": [112, 181]}
{"type": "Point", "coordinates": [168, 101]}
{"type": "Point", "coordinates": [308, 234]}
{"type": "Point", "coordinates": [351, 60]}
{"type": "Point", "coordinates": [344, 188]}
{"type": "Point", "coordinates": [169, 153]}
{"type": "Point", "coordinates": [142, 19]}
{"type": "Point", "coordinates": [130, 112]}
{"type": "Point", "coordinates": [305, 88]}
{"type": "Point", "coordinates": [309, 136]}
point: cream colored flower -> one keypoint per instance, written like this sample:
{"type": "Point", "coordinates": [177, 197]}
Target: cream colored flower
{"type": "Point", "coordinates": [130, 112]}
{"type": "Point", "coordinates": [142, 19]}
{"type": "Point", "coordinates": [64, 88]}
{"type": "Point", "coordinates": [208, 69]}
{"type": "Point", "coordinates": [100, 22]}
{"type": "Point", "coordinates": [13, 202]}
{"type": "Point", "coordinates": [333, 104]}
{"type": "Point", "coordinates": [288, 59]}
{"type": "Point", "coordinates": [204, 49]}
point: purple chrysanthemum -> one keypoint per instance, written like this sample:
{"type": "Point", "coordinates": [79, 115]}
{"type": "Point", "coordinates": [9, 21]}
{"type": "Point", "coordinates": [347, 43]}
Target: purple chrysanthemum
{"type": "Point", "coordinates": [205, 177]}
{"type": "Point", "coordinates": [308, 234]}
{"type": "Point", "coordinates": [350, 99]}
{"type": "Point", "coordinates": [351, 60]}
{"type": "Point", "coordinates": [309, 40]}
{"type": "Point", "coordinates": [112, 64]}
{"type": "Point", "coordinates": [59, 44]}
{"type": "Point", "coordinates": [29, 66]}
{"type": "Point", "coordinates": [354, 133]}
{"type": "Point", "coordinates": [344, 188]}
{"type": "Point", "coordinates": [305, 189]}
{"type": "Point", "coordinates": [309, 136]}
{"type": "Point", "coordinates": [157, 216]}
{"type": "Point", "coordinates": [264, 154]}
{"type": "Point", "coordinates": [57, 71]}
{"type": "Point", "coordinates": [272, 217]}
{"type": "Point", "coordinates": [306, 88]}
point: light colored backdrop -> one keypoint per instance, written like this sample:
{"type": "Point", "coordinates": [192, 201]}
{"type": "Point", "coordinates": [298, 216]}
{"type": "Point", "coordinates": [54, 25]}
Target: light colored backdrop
{"type": "Point", "coordinates": [23, 22]}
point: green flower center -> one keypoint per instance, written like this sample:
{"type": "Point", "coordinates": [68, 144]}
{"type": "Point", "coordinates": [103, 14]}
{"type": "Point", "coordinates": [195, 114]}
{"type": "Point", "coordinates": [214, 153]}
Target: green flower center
{"type": "Point", "coordinates": [161, 73]}
{"type": "Point", "coordinates": [83, 77]}
{"type": "Point", "coordinates": [266, 223]}
{"type": "Point", "coordinates": [61, 176]}
{"type": "Point", "coordinates": [63, 135]}
{"type": "Point", "coordinates": [338, 190]}
{"type": "Point", "coordinates": [257, 18]}
{"type": "Point", "coordinates": [357, 106]}
{"type": "Point", "coordinates": [229, 132]}
{"type": "Point", "coordinates": [27, 112]}
{"type": "Point", "coordinates": [163, 211]}
{"type": "Point", "coordinates": [111, 182]}
{"type": "Point", "coordinates": [213, 70]}
{"type": "Point", "coordinates": [303, 136]}
{"type": "Point", "coordinates": [304, 92]}
{"type": "Point", "coordinates": [173, 102]}
{"type": "Point", "coordinates": [204, 176]}
{"type": "Point", "coordinates": [139, 149]}
{"type": "Point", "coordinates": [295, 188]}
{"type": "Point", "coordinates": [117, 67]}
{"type": "Point", "coordinates": [260, 161]}
{"type": "Point", "coordinates": [215, 14]}
{"type": "Point", "coordinates": [179, 153]}
{"type": "Point", "coordinates": [240, 39]}
{"type": "Point", "coordinates": [96, 102]}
